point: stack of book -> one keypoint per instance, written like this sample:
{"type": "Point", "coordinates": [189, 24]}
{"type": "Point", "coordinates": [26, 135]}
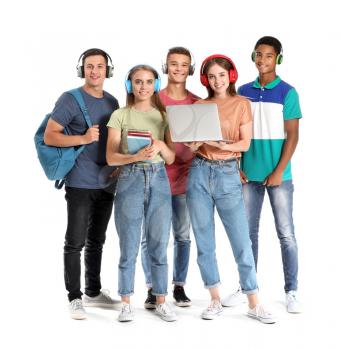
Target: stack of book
{"type": "Point", "coordinates": [138, 139]}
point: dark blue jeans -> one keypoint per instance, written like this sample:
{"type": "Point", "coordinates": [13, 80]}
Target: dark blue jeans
{"type": "Point", "coordinates": [88, 214]}
{"type": "Point", "coordinates": [281, 201]}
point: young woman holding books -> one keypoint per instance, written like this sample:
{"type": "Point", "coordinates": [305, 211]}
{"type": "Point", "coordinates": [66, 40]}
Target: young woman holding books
{"type": "Point", "coordinates": [143, 198]}
{"type": "Point", "coordinates": [214, 181]}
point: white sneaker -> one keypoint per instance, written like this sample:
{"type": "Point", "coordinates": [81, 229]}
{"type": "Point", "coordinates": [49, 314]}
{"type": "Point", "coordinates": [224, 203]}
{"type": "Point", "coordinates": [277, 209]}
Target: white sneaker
{"type": "Point", "coordinates": [234, 299]}
{"type": "Point", "coordinates": [126, 313]}
{"type": "Point", "coordinates": [293, 305]}
{"type": "Point", "coordinates": [101, 300]}
{"type": "Point", "coordinates": [165, 312]}
{"type": "Point", "coordinates": [261, 314]}
{"type": "Point", "coordinates": [77, 310]}
{"type": "Point", "coordinates": [212, 311]}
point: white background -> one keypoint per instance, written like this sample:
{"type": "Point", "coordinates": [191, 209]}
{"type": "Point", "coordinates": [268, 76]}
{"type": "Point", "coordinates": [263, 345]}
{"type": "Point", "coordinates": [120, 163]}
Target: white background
{"type": "Point", "coordinates": [40, 45]}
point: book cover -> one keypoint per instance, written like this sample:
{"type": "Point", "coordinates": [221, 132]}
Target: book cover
{"type": "Point", "coordinates": [135, 143]}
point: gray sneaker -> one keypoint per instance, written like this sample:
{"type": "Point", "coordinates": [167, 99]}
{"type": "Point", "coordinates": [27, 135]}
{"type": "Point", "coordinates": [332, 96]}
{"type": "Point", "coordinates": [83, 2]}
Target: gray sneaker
{"type": "Point", "coordinates": [292, 303]}
{"type": "Point", "coordinates": [212, 311]}
{"type": "Point", "coordinates": [126, 313]}
{"type": "Point", "coordinates": [165, 313]}
{"type": "Point", "coordinates": [101, 300]}
{"type": "Point", "coordinates": [77, 311]}
{"type": "Point", "coordinates": [261, 314]}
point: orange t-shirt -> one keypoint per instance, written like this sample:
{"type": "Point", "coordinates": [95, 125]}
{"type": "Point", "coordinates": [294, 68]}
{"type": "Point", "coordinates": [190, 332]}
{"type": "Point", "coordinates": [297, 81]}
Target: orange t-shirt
{"type": "Point", "coordinates": [234, 112]}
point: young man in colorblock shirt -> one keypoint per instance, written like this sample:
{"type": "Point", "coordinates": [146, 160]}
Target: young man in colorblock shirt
{"type": "Point", "coordinates": [266, 166]}
{"type": "Point", "coordinates": [178, 66]}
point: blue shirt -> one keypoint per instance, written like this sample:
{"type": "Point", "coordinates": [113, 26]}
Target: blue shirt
{"type": "Point", "coordinates": [91, 170]}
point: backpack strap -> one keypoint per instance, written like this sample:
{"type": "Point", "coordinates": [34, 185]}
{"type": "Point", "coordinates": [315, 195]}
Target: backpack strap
{"type": "Point", "coordinates": [59, 184]}
{"type": "Point", "coordinates": [76, 93]}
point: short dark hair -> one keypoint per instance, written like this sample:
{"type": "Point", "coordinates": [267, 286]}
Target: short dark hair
{"type": "Point", "coordinates": [271, 41]}
{"type": "Point", "coordinates": [179, 50]}
{"type": "Point", "coordinates": [95, 52]}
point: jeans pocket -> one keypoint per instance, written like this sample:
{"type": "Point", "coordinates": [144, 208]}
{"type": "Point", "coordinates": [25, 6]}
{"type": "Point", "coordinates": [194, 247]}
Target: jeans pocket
{"type": "Point", "coordinates": [124, 174]}
{"type": "Point", "coordinates": [162, 174]}
{"type": "Point", "coordinates": [230, 168]}
{"type": "Point", "coordinates": [195, 163]}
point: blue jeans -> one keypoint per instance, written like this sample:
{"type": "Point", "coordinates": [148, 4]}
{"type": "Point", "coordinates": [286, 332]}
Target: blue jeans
{"type": "Point", "coordinates": [181, 233]}
{"type": "Point", "coordinates": [217, 183]}
{"type": "Point", "coordinates": [281, 200]}
{"type": "Point", "coordinates": [143, 202]}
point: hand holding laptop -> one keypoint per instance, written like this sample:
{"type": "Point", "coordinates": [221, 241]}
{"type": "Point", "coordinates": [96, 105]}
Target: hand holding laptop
{"type": "Point", "coordinates": [219, 144]}
{"type": "Point", "coordinates": [194, 145]}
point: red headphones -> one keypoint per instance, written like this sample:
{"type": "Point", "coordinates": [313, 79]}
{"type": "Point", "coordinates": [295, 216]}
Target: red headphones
{"type": "Point", "coordinates": [232, 72]}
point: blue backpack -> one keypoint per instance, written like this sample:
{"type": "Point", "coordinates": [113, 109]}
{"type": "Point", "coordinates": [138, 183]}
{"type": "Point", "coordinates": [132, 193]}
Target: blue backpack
{"type": "Point", "coordinates": [58, 161]}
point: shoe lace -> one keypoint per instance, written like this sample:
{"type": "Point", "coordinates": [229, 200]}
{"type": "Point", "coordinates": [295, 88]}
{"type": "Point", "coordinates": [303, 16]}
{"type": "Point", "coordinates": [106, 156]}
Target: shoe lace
{"type": "Point", "coordinates": [262, 311]}
{"type": "Point", "coordinates": [126, 308]}
{"type": "Point", "coordinates": [213, 305]}
{"type": "Point", "coordinates": [106, 294]}
{"type": "Point", "coordinates": [77, 304]}
{"type": "Point", "coordinates": [239, 290]}
{"type": "Point", "coordinates": [165, 308]}
{"type": "Point", "coordinates": [291, 296]}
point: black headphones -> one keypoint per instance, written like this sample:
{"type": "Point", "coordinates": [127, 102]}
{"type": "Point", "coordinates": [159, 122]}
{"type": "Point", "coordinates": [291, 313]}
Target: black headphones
{"type": "Point", "coordinates": [92, 52]}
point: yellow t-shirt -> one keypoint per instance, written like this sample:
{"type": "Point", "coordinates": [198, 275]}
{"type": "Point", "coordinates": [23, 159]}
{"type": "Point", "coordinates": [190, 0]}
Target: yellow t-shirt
{"type": "Point", "coordinates": [125, 119]}
{"type": "Point", "coordinates": [233, 112]}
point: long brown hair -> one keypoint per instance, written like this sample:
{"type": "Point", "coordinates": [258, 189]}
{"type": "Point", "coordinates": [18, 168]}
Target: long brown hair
{"type": "Point", "coordinates": [225, 65]}
{"type": "Point", "coordinates": [155, 99]}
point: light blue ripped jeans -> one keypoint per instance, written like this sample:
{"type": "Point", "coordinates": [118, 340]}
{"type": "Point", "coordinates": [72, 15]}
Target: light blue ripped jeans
{"type": "Point", "coordinates": [143, 202]}
{"type": "Point", "coordinates": [217, 184]}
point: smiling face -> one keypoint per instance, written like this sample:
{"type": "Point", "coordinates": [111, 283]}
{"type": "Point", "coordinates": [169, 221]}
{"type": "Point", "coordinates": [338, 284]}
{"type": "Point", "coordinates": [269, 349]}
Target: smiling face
{"type": "Point", "coordinates": [94, 71]}
{"type": "Point", "coordinates": [265, 59]}
{"type": "Point", "coordinates": [178, 67]}
{"type": "Point", "coordinates": [218, 78]}
{"type": "Point", "coordinates": [143, 85]}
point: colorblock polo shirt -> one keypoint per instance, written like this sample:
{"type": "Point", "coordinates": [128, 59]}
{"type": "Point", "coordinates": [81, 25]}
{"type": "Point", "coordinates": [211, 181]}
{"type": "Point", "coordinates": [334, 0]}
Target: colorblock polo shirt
{"type": "Point", "coordinates": [271, 106]}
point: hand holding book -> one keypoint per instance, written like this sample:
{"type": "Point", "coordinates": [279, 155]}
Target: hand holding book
{"type": "Point", "coordinates": [140, 143]}
{"type": "Point", "coordinates": [138, 139]}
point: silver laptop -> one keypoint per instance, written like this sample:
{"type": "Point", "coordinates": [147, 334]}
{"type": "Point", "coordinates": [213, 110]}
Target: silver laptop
{"type": "Point", "coordinates": [197, 122]}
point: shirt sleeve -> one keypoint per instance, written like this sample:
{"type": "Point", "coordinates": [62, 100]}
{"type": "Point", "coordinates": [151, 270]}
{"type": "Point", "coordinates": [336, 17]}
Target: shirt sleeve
{"type": "Point", "coordinates": [246, 114]}
{"type": "Point", "coordinates": [116, 119]}
{"type": "Point", "coordinates": [65, 109]}
{"type": "Point", "coordinates": [291, 107]}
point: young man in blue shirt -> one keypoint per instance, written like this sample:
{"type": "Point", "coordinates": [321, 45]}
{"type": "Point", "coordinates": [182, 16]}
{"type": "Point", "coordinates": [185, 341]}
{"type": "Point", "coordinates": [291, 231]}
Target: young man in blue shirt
{"type": "Point", "coordinates": [89, 202]}
{"type": "Point", "coordinates": [266, 167]}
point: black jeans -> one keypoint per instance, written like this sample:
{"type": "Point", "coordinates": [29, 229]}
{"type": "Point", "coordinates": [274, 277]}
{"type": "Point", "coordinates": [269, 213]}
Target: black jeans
{"type": "Point", "coordinates": [88, 213]}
